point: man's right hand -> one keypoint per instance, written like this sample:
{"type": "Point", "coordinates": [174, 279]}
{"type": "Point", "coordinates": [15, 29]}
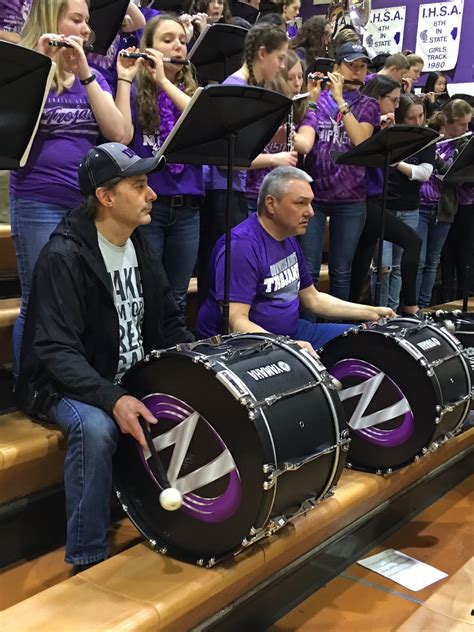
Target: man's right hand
{"type": "Point", "coordinates": [126, 411]}
{"type": "Point", "coordinates": [308, 346]}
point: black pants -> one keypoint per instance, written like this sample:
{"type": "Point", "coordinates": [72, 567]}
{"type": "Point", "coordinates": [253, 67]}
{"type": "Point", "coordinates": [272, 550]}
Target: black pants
{"type": "Point", "coordinates": [213, 225]}
{"type": "Point", "coordinates": [457, 257]}
{"type": "Point", "coordinates": [396, 232]}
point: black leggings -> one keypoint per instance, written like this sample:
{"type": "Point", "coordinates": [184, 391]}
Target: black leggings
{"type": "Point", "coordinates": [396, 232]}
{"type": "Point", "coordinates": [458, 254]}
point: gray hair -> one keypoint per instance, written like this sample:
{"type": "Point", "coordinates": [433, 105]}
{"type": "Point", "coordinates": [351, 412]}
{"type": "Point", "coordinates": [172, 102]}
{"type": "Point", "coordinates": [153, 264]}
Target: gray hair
{"type": "Point", "coordinates": [277, 181]}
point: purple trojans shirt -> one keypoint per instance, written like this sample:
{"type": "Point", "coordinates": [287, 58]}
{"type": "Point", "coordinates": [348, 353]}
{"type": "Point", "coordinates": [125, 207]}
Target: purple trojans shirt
{"type": "Point", "coordinates": [13, 14]}
{"type": "Point", "coordinates": [189, 182]}
{"type": "Point", "coordinates": [266, 274]}
{"type": "Point", "coordinates": [216, 177]}
{"type": "Point", "coordinates": [337, 183]}
{"type": "Point", "coordinates": [67, 131]}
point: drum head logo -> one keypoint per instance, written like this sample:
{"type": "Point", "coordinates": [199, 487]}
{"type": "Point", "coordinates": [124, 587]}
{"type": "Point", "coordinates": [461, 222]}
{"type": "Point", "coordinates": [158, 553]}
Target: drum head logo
{"type": "Point", "coordinates": [376, 407]}
{"type": "Point", "coordinates": [198, 462]}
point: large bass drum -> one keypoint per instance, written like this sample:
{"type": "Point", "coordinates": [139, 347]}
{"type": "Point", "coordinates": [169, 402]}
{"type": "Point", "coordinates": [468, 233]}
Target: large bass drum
{"type": "Point", "coordinates": [406, 387]}
{"type": "Point", "coordinates": [252, 433]}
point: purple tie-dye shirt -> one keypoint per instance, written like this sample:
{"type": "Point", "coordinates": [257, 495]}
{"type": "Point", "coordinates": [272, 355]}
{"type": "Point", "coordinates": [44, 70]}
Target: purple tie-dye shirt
{"type": "Point", "coordinates": [332, 182]}
{"type": "Point", "coordinates": [13, 14]}
{"type": "Point", "coordinates": [430, 191]}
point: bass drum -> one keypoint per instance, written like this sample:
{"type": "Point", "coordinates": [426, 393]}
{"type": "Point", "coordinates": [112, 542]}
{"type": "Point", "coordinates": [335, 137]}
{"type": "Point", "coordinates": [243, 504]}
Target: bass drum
{"type": "Point", "coordinates": [252, 433]}
{"type": "Point", "coordinates": [406, 387]}
{"type": "Point", "coordinates": [461, 325]}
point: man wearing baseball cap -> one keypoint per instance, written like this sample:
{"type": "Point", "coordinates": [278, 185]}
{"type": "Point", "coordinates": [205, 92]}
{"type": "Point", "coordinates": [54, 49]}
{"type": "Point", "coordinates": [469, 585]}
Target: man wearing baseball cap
{"type": "Point", "coordinates": [99, 302]}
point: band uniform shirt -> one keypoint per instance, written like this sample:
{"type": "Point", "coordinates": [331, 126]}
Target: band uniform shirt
{"type": "Point", "coordinates": [122, 266]}
{"type": "Point", "coordinates": [332, 182]}
{"type": "Point", "coordinates": [266, 274]}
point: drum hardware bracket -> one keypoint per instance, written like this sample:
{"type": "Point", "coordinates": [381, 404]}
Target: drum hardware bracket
{"type": "Point", "coordinates": [441, 361]}
{"type": "Point", "coordinates": [273, 399]}
{"type": "Point", "coordinates": [292, 466]}
{"type": "Point", "coordinates": [275, 524]}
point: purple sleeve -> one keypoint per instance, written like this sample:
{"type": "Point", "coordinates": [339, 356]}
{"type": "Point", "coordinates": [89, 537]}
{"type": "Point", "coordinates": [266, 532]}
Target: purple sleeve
{"type": "Point", "coordinates": [102, 82]}
{"type": "Point", "coordinates": [370, 113]}
{"type": "Point", "coordinates": [13, 14]}
{"type": "Point", "coordinates": [244, 275]}
{"type": "Point", "coordinates": [309, 118]}
{"type": "Point", "coordinates": [305, 277]}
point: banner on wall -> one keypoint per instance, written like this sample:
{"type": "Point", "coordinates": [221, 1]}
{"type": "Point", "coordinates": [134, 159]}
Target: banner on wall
{"type": "Point", "coordinates": [439, 33]}
{"type": "Point", "coordinates": [384, 31]}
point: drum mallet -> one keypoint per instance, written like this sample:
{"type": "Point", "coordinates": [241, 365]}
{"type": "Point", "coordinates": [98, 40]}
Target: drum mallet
{"type": "Point", "coordinates": [171, 498]}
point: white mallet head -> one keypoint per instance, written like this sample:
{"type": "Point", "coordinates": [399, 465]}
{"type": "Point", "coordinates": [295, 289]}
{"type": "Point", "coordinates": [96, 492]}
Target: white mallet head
{"type": "Point", "coordinates": [171, 499]}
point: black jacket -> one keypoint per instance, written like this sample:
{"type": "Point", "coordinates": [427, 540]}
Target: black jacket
{"type": "Point", "coordinates": [71, 336]}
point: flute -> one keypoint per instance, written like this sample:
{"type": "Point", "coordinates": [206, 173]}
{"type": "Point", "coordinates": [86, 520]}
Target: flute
{"type": "Point", "coordinates": [167, 60]}
{"type": "Point", "coordinates": [289, 130]}
{"type": "Point", "coordinates": [325, 79]}
{"type": "Point", "coordinates": [88, 48]}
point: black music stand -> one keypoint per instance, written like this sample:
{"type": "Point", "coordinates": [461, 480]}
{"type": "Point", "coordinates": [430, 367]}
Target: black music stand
{"type": "Point", "coordinates": [460, 172]}
{"type": "Point", "coordinates": [25, 80]}
{"type": "Point", "coordinates": [387, 147]}
{"type": "Point", "coordinates": [106, 17]}
{"type": "Point", "coordinates": [242, 122]}
{"type": "Point", "coordinates": [217, 52]}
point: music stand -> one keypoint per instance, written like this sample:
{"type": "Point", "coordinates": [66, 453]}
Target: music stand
{"type": "Point", "coordinates": [106, 17]}
{"type": "Point", "coordinates": [217, 52]}
{"type": "Point", "coordinates": [460, 172]}
{"type": "Point", "coordinates": [243, 121]}
{"type": "Point", "coordinates": [25, 81]}
{"type": "Point", "coordinates": [388, 146]}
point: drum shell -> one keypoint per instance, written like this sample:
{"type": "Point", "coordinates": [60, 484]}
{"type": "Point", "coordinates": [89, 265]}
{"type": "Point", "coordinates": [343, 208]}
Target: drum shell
{"type": "Point", "coordinates": [425, 363]}
{"type": "Point", "coordinates": [263, 438]}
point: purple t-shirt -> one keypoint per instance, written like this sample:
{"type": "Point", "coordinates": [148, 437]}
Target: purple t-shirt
{"type": "Point", "coordinates": [189, 181]}
{"type": "Point", "coordinates": [216, 177]}
{"type": "Point", "coordinates": [266, 274]}
{"type": "Point", "coordinates": [13, 14]}
{"type": "Point", "coordinates": [430, 191]}
{"type": "Point", "coordinates": [67, 131]}
{"type": "Point", "coordinates": [332, 182]}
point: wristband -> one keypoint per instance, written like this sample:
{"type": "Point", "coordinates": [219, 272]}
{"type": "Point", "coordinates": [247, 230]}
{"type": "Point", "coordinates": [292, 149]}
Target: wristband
{"type": "Point", "coordinates": [86, 82]}
{"type": "Point", "coordinates": [126, 80]}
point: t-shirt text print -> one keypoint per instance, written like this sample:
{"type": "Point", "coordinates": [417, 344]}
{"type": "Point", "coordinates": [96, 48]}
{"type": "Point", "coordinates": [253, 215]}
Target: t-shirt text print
{"type": "Point", "coordinates": [284, 274]}
{"type": "Point", "coordinates": [122, 265]}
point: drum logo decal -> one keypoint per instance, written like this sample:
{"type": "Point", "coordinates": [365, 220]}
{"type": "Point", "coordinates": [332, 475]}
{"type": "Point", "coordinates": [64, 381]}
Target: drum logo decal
{"type": "Point", "coordinates": [200, 466]}
{"type": "Point", "coordinates": [380, 403]}
{"type": "Point", "coordinates": [429, 343]}
{"type": "Point", "coordinates": [269, 370]}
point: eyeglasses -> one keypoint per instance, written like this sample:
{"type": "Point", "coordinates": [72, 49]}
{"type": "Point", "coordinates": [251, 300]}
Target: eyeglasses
{"type": "Point", "coordinates": [394, 100]}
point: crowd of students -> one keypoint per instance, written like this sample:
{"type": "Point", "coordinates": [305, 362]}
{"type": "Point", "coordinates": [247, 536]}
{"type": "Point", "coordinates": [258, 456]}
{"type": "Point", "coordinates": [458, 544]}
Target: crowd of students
{"type": "Point", "coordinates": [137, 102]}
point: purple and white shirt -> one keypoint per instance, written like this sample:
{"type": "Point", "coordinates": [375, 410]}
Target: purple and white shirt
{"type": "Point", "coordinates": [266, 274]}
{"type": "Point", "coordinates": [333, 182]}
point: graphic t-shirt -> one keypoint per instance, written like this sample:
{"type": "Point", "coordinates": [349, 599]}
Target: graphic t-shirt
{"type": "Point", "coordinates": [332, 182]}
{"type": "Point", "coordinates": [67, 131]}
{"type": "Point", "coordinates": [188, 181]}
{"type": "Point", "coordinates": [13, 14]}
{"type": "Point", "coordinates": [266, 274]}
{"type": "Point", "coordinates": [122, 265]}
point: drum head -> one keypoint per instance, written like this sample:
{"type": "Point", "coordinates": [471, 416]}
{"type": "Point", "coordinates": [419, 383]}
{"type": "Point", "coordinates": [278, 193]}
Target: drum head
{"type": "Point", "coordinates": [388, 398]}
{"type": "Point", "coordinates": [216, 515]}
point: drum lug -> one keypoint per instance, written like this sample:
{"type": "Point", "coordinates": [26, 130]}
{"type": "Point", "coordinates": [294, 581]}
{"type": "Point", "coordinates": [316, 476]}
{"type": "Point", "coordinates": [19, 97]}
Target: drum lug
{"type": "Point", "coordinates": [118, 494]}
{"type": "Point", "coordinates": [152, 543]}
{"type": "Point", "coordinates": [270, 482]}
{"type": "Point", "coordinates": [267, 468]}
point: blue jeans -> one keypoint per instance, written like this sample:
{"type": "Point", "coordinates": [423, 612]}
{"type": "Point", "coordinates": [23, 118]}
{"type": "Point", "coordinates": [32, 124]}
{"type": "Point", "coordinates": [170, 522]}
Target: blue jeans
{"type": "Point", "coordinates": [319, 333]}
{"type": "Point", "coordinates": [91, 441]}
{"type": "Point", "coordinates": [346, 224]}
{"type": "Point", "coordinates": [32, 224]}
{"type": "Point", "coordinates": [433, 235]}
{"type": "Point", "coordinates": [391, 258]}
{"type": "Point", "coordinates": [174, 234]}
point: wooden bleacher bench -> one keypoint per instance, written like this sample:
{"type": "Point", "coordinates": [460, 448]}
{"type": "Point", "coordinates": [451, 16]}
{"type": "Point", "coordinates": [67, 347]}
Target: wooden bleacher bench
{"type": "Point", "coordinates": [143, 591]}
{"type": "Point", "coordinates": [31, 456]}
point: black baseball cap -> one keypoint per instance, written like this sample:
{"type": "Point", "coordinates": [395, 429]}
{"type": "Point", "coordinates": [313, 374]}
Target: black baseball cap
{"type": "Point", "coordinates": [113, 160]}
{"type": "Point", "coordinates": [350, 52]}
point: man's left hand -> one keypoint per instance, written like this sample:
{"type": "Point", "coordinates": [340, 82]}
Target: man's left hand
{"type": "Point", "coordinates": [381, 312]}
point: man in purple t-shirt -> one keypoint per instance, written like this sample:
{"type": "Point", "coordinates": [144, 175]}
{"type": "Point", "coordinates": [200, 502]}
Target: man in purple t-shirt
{"type": "Point", "coordinates": [269, 280]}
